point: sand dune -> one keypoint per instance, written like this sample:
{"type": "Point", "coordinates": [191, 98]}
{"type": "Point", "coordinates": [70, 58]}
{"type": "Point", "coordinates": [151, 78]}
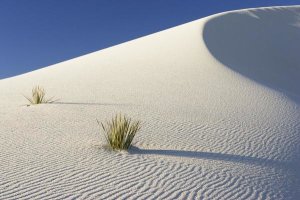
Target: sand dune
{"type": "Point", "coordinates": [219, 104]}
{"type": "Point", "coordinates": [262, 45]}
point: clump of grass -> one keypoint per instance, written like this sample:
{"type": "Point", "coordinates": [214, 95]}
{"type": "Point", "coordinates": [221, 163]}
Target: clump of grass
{"type": "Point", "coordinates": [38, 96]}
{"type": "Point", "coordinates": [120, 131]}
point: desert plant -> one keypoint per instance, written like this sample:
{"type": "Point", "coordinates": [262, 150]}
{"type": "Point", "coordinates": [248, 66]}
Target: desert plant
{"type": "Point", "coordinates": [120, 131]}
{"type": "Point", "coordinates": [38, 96]}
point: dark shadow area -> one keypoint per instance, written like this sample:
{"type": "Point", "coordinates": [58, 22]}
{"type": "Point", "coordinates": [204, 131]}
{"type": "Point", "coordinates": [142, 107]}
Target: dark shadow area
{"type": "Point", "coordinates": [215, 156]}
{"type": "Point", "coordinates": [263, 45]}
{"type": "Point", "coordinates": [91, 104]}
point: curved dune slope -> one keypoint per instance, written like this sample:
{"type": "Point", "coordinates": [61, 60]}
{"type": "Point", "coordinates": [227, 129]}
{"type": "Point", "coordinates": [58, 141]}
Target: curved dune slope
{"type": "Point", "coordinates": [218, 98]}
{"type": "Point", "coordinates": [262, 45]}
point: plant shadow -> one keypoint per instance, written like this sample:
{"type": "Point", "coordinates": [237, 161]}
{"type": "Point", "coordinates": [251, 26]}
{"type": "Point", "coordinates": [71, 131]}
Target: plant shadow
{"type": "Point", "coordinates": [214, 156]}
{"type": "Point", "coordinates": [91, 104]}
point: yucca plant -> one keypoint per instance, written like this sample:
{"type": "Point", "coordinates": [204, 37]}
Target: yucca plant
{"type": "Point", "coordinates": [120, 131]}
{"type": "Point", "coordinates": [38, 96]}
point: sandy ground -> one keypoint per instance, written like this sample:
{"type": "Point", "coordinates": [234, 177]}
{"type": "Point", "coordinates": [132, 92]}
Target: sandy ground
{"type": "Point", "coordinates": [219, 103]}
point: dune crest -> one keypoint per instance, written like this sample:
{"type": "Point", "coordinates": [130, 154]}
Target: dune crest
{"type": "Point", "coordinates": [260, 44]}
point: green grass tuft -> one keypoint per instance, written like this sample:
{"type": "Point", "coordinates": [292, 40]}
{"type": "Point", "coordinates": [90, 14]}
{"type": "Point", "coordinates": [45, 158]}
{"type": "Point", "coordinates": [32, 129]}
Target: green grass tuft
{"type": "Point", "coordinates": [38, 96]}
{"type": "Point", "coordinates": [120, 131]}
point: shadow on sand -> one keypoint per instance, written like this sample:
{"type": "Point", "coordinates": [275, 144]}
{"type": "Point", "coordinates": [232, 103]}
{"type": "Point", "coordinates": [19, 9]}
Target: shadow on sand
{"type": "Point", "coordinates": [91, 104]}
{"type": "Point", "coordinates": [262, 45]}
{"type": "Point", "coordinates": [214, 156]}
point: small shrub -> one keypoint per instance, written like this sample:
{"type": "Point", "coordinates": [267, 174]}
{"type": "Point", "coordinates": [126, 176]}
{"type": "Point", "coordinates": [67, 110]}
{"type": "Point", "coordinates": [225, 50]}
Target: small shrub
{"type": "Point", "coordinates": [120, 131]}
{"type": "Point", "coordinates": [38, 96]}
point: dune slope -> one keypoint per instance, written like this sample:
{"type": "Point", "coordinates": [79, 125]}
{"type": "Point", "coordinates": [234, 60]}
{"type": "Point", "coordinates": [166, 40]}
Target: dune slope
{"type": "Point", "coordinates": [219, 105]}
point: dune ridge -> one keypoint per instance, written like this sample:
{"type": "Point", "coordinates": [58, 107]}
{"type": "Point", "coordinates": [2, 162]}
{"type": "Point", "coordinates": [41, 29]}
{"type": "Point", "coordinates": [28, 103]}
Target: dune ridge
{"type": "Point", "coordinates": [218, 101]}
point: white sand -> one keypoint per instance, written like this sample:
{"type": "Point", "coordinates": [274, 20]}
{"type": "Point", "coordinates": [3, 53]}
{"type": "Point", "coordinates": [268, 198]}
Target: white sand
{"type": "Point", "coordinates": [219, 101]}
